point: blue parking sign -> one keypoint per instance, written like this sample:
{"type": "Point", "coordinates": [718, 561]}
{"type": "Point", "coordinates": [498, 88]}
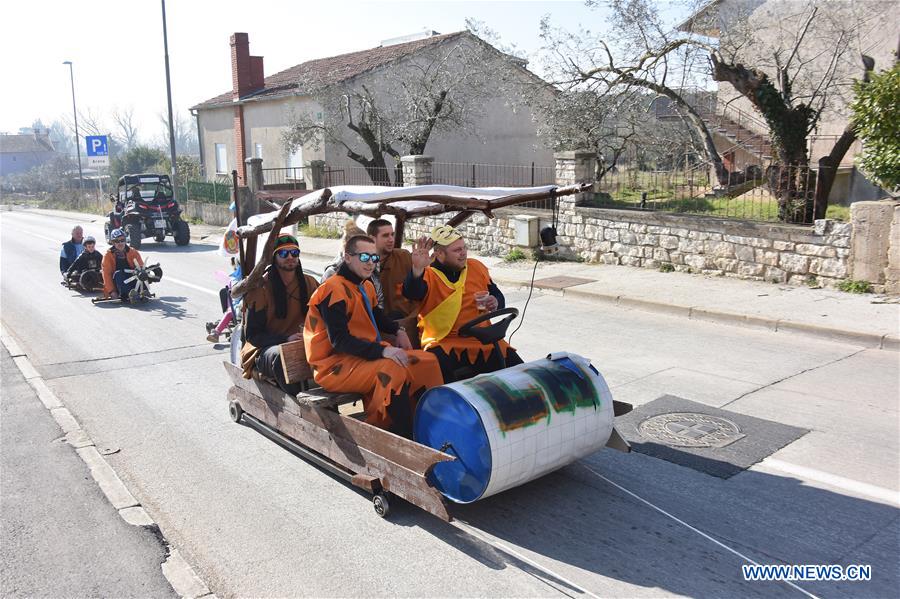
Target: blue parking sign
{"type": "Point", "coordinates": [97, 150]}
{"type": "Point", "coordinates": [97, 145]}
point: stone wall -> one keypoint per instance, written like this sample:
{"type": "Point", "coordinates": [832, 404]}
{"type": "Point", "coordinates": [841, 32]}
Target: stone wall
{"type": "Point", "coordinates": [773, 252]}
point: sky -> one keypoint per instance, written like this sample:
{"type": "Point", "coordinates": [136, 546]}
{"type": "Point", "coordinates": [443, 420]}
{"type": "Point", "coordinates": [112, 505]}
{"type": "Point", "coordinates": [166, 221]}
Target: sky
{"type": "Point", "coordinates": [116, 46]}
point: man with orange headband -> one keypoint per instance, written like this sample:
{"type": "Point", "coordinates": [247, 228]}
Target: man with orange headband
{"type": "Point", "coordinates": [447, 286]}
{"type": "Point", "coordinates": [275, 312]}
{"type": "Point", "coordinates": [343, 343]}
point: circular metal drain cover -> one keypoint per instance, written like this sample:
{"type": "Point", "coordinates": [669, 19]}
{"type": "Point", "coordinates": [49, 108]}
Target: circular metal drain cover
{"type": "Point", "coordinates": [687, 429]}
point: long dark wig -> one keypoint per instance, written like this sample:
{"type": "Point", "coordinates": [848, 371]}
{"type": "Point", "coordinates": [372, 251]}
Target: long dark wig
{"type": "Point", "coordinates": [279, 291]}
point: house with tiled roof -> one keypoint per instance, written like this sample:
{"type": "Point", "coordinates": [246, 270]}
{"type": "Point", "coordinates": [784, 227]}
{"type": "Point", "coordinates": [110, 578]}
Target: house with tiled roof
{"type": "Point", "coordinates": [21, 153]}
{"type": "Point", "coordinates": [249, 120]}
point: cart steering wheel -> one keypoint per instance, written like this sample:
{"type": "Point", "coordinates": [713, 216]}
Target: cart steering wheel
{"type": "Point", "coordinates": [493, 332]}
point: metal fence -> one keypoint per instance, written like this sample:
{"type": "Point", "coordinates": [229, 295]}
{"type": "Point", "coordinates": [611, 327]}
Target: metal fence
{"type": "Point", "coordinates": [496, 175]}
{"type": "Point", "coordinates": [291, 177]}
{"type": "Point", "coordinates": [776, 194]}
{"type": "Point", "coordinates": [361, 175]}
{"type": "Point", "coordinates": [217, 191]}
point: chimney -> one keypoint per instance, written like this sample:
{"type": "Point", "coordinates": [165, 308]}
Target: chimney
{"type": "Point", "coordinates": [246, 71]}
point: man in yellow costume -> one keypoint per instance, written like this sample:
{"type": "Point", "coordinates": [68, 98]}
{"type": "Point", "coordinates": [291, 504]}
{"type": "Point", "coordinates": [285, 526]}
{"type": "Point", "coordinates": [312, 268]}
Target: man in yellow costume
{"type": "Point", "coordinates": [447, 286]}
{"type": "Point", "coordinates": [343, 343]}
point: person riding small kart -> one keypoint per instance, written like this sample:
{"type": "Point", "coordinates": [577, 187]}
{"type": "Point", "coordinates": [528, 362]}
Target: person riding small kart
{"type": "Point", "coordinates": [125, 276]}
{"type": "Point", "coordinates": [84, 273]}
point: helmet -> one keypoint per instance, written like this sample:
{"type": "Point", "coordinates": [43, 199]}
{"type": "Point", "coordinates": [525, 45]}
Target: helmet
{"type": "Point", "coordinates": [89, 239]}
{"type": "Point", "coordinates": [116, 233]}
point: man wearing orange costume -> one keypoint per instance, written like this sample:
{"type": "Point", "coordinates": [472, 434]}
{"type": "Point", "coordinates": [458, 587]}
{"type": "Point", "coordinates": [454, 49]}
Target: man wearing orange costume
{"type": "Point", "coordinates": [343, 344]}
{"type": "Point", "coordinates": [447, 287]}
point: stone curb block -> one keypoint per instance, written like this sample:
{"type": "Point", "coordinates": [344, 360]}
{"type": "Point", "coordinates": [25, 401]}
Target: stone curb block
{"type": "Point", "coordinates": [106, 477]}
{"type": "Point", "coordinates": [25, 367]}
{"type": "Point", "coordinates": [11, 346]}
{"type": "Point", "coordinates": [872, 340]}
{"type": "Point", "coordinates": [182, 577]}
{"type": "Point", "coordinates": [47, 397]}
{"type": "Point", "coordinates": [734, 319]}
{"type": "Point", "coordinates": [890, 342]}
{"type": "Point", "coordinates": [136, 516]}
{"type": "Point", "coordinates": [651, 306]}
{"type": "Point", "coordinates": [584, 294]}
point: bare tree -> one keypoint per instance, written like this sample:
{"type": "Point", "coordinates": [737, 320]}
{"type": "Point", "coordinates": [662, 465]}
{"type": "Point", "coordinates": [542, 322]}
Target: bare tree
{"type": "Point", "coordinates": [439, 88]}
{"type": "Point", "coordinates": [185, 130]}
{"type": "Point", "coordinates": [127, 134]}
{"type": "Point", "coordinates": [643, 52]}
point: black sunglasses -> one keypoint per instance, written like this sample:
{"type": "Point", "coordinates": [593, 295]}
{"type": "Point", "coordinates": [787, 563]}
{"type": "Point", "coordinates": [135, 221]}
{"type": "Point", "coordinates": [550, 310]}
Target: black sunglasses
{"type": "Point", "coordinates": [367, 257]}
{"type": "Point", "coordinates": [286, 253]}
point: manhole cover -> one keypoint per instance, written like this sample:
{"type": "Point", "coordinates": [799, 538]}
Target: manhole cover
{"type": "Point", "coordinates": [685, 429]}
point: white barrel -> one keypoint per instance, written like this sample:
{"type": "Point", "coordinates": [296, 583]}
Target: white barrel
{"type": "Point", "coordinates": [512, 426]}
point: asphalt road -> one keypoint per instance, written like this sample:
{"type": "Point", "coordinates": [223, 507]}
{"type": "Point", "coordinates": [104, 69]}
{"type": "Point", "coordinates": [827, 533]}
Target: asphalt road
{"type": "Point", "coordinates": [256, 521]}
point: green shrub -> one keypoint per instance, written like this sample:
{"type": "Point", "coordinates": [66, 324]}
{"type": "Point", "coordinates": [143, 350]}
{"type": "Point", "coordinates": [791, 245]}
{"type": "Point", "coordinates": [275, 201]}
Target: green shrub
{"type": "Point", "coordinates": [851, 286]}
{"type": "Point", "coordinates": [515, 255]}
{"type": "Point", "coordinates": [666, 267]}
{"type": "Point", "coordinates": [322, 232]}
{"type": "Point", "coordinates": [876, 111]}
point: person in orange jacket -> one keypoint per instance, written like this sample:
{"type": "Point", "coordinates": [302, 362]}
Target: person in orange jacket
{"type": "Point", "coordinates": [118, 258]}
{"type": "Point", "coordinates": [344, 345]}
{"type": "Point", "coordinates": [448, 285]}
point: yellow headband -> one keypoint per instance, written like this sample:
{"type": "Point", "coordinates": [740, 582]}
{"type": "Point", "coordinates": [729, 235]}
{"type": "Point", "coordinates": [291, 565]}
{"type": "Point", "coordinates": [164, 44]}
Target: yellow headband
{"type": "Point", "coordinates": [444, 235]}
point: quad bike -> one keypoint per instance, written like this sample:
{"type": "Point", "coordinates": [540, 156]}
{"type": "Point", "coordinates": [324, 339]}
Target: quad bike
{"type": "Point", "coordinates": [142, 276]}
{"type": "Point", "coordinates": [146, 207]}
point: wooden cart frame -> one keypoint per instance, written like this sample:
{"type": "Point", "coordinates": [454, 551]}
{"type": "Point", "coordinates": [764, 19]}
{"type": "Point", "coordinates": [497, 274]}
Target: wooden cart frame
{"type": "Point", "coordinates": [311, 425]}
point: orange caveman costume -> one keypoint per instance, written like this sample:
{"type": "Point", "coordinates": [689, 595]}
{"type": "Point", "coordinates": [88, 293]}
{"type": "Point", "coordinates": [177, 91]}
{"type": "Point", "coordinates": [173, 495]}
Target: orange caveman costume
{"type": "Point", "coordinates": [446, 289]}
{"type": "Point", "coordinates": [343, 345]}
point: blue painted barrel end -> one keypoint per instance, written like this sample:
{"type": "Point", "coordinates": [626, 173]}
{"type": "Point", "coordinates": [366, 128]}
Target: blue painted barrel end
{"type": "Point", "coordinates": [444, 417]}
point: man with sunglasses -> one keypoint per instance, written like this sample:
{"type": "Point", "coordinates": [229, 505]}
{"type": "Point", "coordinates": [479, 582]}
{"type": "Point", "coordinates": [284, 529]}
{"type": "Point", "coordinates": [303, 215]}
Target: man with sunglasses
{"type": "Point", "coordinates": [447, 284]}
{"type": "Point", "coordinates": [118, 258]}
{"type": "Point", "coordinates": [391, 271]}
{"type": "Point", "coordinates": [275, 312]}
{"type": "Point", "coordinates": [344, 345]}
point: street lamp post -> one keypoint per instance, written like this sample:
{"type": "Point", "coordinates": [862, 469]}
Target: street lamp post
{"type": "Point", "coordinates": [169, 95]}
{"type": "Point", "coordinates": [75, 114]}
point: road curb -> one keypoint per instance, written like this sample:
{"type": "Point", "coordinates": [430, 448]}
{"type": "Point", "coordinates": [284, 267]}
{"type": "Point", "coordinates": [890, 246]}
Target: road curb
{"type": "Point", "coordinates": [869, 340]}
{"type": "Point", "coordinates": [178, 572]}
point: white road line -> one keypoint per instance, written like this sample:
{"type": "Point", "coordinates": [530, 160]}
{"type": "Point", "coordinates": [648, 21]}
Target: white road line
{"type": "Point", "coordinates": [688, 526]}
{"type": "Point", "coordinates": [483, 537]}
{"type": "Point", "coordinates": [833, 480]}
{"type": "Point", "coordinates": [191, 285]}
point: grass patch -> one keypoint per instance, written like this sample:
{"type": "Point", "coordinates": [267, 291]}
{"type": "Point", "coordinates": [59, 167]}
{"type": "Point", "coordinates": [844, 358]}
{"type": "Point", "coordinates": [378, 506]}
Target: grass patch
{"type": "Point", "coordinates": [515, 255]}
{"type": "Point", "coordinates": [851, 286]}
{"type": "Point", "coordinates": [841, 213]}
{"type": "Point", "coordinates": [666, 267]}
{"type": "Point", "coordinates": [195, 220]}
{"type": "Point", "coordinates": [321, 232]}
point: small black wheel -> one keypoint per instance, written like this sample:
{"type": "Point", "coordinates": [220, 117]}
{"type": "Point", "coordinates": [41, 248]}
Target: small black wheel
{"type": "Point", "coordinates": [159, 237]}
{"type": "Point", "coordinates": [236, 411]}
{"type": "Point", "coordinates": [381, 505]}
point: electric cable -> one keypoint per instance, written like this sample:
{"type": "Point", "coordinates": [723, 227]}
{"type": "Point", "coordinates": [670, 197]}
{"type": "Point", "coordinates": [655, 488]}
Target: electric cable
{"type": "Point", "coordinates": [530, 291]}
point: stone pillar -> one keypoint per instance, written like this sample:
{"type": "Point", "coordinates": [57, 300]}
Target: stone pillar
{"type": "Point", "coordinates": [314, 176]}
{"type": "Point", "coordinates": [892, 272]}
{"type": "Point", "coordinates": [255, 179]}
{"type": "Point", "coordinates": [247, 202]}
{"type": "Point", "coordinates": [417, 170]}
{"type": "Point", "coordinates": [870, 240]}
{"type": "Point", "coordinates": [578, 166]}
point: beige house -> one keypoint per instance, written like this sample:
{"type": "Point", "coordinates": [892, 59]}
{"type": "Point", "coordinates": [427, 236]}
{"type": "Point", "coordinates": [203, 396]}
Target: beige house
{"type": "Point", "coordinates": [249, 120]}
{"type": "Point", "coordinates": [767, 28]}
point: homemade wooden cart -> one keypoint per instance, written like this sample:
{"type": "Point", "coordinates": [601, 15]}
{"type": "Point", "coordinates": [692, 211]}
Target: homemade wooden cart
{"type": "Point", "coordinates": [318, 425]}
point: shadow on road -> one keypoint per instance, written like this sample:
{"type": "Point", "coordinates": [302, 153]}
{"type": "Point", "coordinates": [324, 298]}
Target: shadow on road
{"type": "Point", "coordinates": [576, 520]}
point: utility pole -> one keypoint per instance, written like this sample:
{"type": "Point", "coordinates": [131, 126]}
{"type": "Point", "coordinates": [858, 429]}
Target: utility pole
{"type": "Point", "coordinates": [75, 114]}
{"type": "Point", "coordinates": [169, 95]}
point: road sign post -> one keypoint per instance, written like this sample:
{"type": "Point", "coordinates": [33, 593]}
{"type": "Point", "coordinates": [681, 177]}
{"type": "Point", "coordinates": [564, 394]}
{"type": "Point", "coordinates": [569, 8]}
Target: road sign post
{"type": "Point", "coordinates": [97, 150]}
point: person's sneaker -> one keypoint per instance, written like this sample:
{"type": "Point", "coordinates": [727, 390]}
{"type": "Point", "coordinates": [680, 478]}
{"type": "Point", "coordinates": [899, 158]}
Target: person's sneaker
{"type": "Point", "coordinates": [132, 295]}
{"type": "Point", "coordinates": [211, 326]}
{"type": "Point", "coordinates": [213, 337]}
